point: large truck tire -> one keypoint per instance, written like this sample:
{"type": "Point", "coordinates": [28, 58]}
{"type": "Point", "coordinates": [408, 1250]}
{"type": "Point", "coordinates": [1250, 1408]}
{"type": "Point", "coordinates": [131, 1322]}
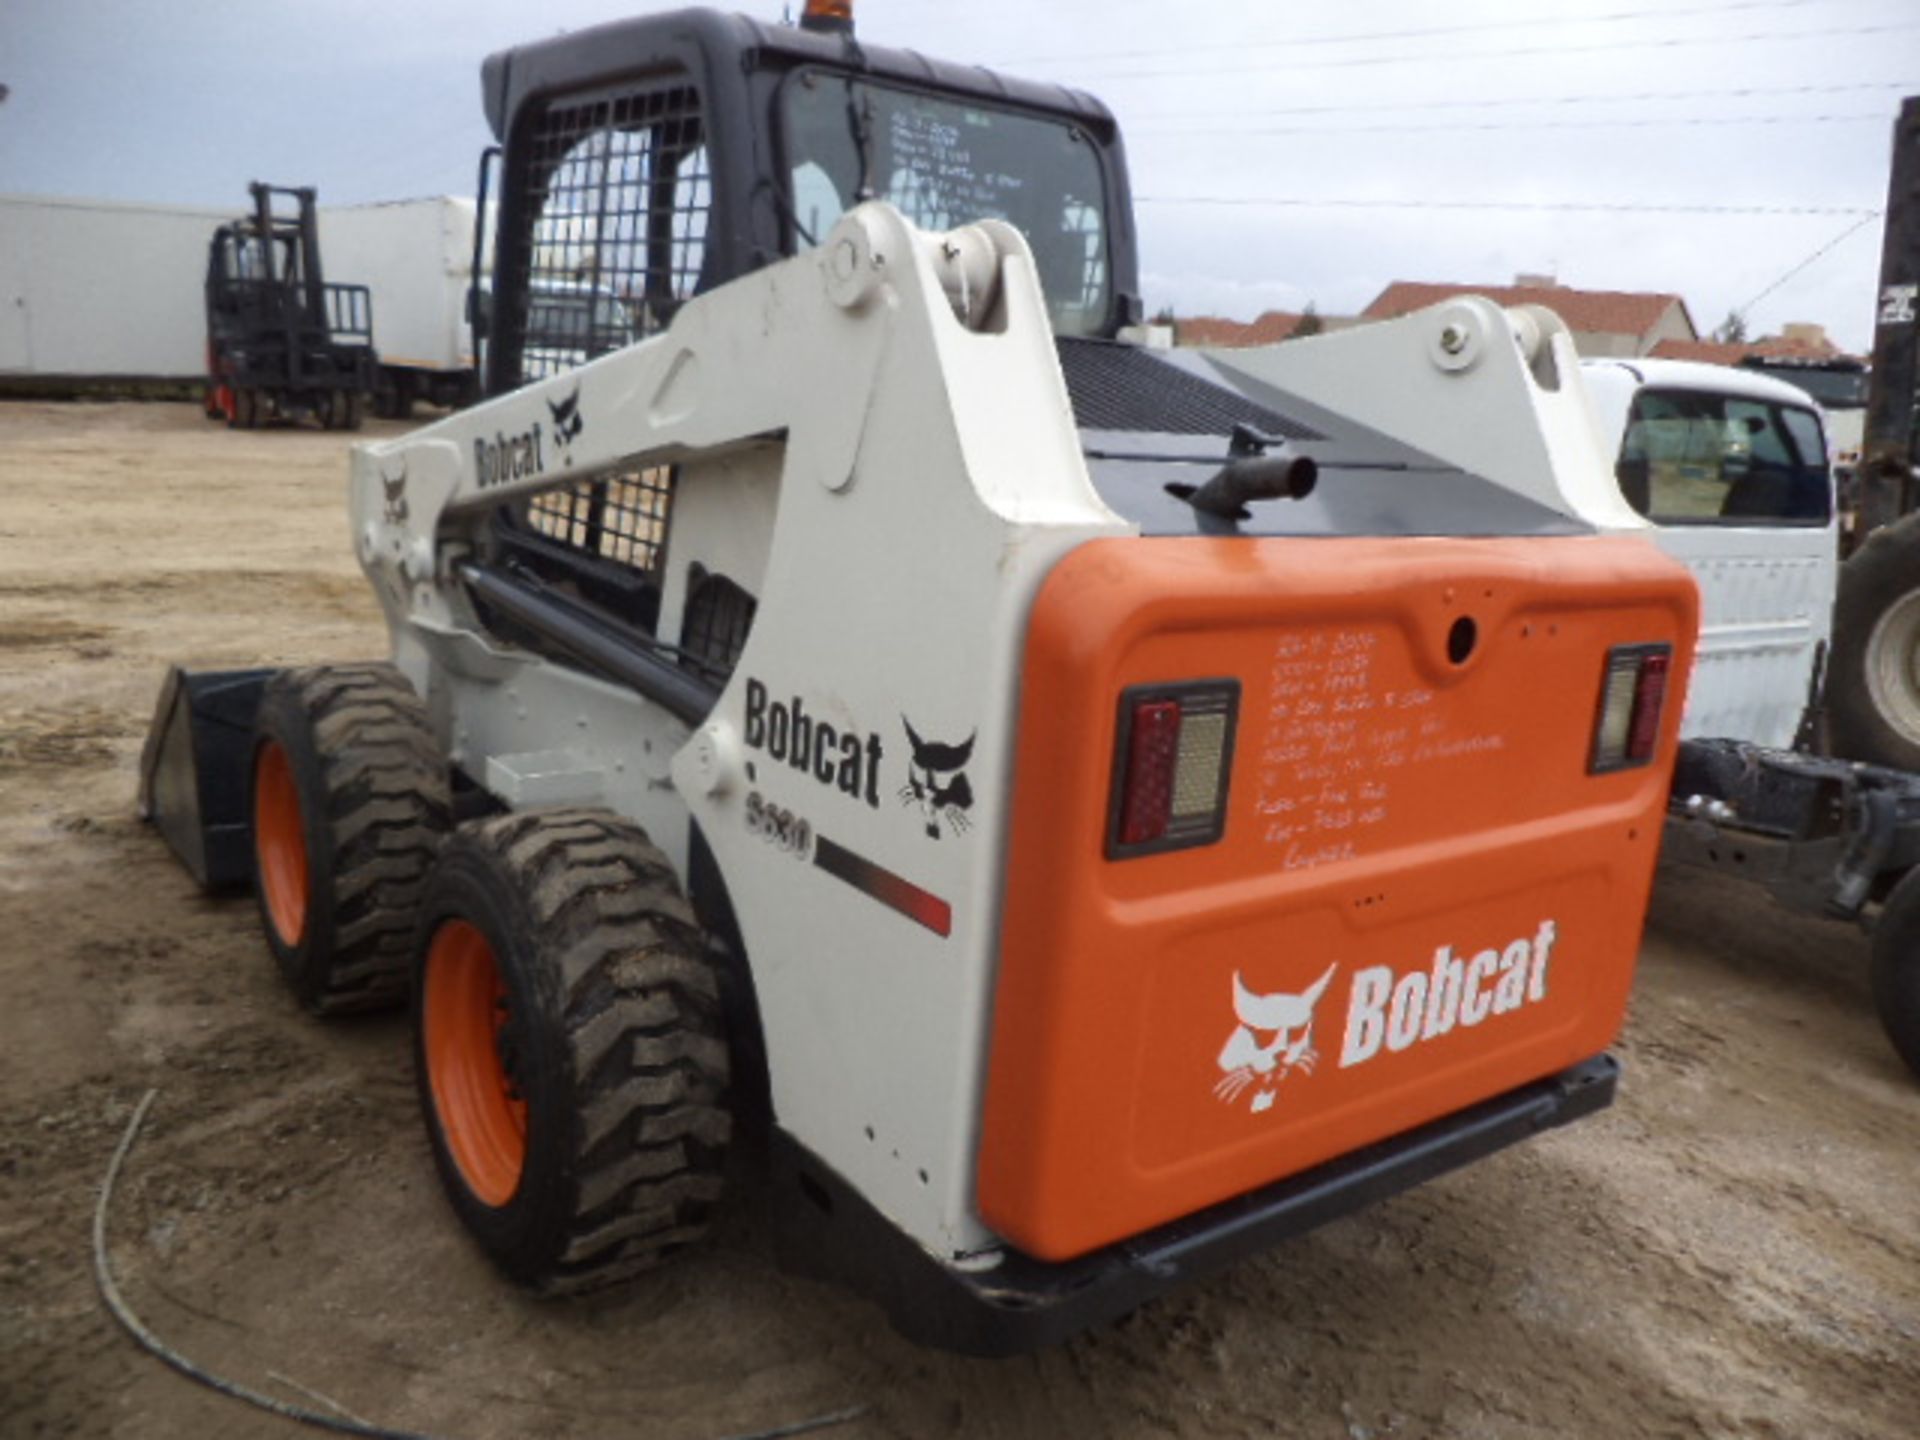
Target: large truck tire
{"type": "Point", "coordinates": [349, 801]}
{"type": "Point", "coordinates": [569, 1047]}
{"type": "Point", "coordinates": [1896, 968]}
{"type": "Point", "coordinates": [1873, 672]}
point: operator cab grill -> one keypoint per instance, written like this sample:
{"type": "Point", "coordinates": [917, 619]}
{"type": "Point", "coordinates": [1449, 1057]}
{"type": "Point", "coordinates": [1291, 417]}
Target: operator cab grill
{"type": "Point", "coordinates": [604, 237]}
{"type": "Point", "coordinates": [622, 518]}
{"type": "Point", "coordinates": [1122, 387]}
{"type": "Point", "coordinates": [613, 202]}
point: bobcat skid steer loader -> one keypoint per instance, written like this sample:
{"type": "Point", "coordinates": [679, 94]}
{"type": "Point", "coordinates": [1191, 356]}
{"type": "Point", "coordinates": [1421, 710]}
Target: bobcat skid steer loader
{"type": "Point", "coordinates": [1080, 814]}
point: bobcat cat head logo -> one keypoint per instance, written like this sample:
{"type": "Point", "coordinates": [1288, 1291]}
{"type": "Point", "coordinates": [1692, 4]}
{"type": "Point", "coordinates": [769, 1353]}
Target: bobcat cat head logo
{"type": "Point", "coordinates": [567, 423]}
{"type": "Point", "coordinates": [1289, 1020]}
{"type": "Point", "coordinates": [937, 781]}
{"type": "Point", "coordinates": [396, 492]}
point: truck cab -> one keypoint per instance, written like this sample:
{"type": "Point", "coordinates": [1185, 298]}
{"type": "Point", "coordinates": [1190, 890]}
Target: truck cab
{"type": "Point", "coordinates": [1731, 469]}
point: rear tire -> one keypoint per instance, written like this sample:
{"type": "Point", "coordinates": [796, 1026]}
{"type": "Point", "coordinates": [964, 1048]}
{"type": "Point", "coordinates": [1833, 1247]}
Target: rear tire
{"type": "Point", "coordinates": [246, 408]}
{"type": "Point", "coordinates": [351, 410]}
{"type": "Point", "coordinates": [1873, 676]}
{"type": "Point", "coordinates": [349, 802]}
{"type": "Point", "coordinates": [1896, 968]}
{"type": "Point", "coordinates": [569, 1048]}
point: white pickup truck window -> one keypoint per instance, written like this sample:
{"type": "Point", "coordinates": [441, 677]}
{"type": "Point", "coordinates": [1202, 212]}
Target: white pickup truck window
{"type": "Point", "coordinates": [1702, 459]}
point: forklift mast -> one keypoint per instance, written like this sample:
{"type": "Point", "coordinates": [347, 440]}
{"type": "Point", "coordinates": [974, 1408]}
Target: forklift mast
{"type": "Point", "coordinates": [299, 234]}
{"type": "Point", "coordinates": [1890, 448]}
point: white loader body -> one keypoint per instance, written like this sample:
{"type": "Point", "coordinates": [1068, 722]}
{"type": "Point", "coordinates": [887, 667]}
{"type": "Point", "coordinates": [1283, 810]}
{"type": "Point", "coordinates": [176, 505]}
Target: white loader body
{"type": "Point", "coordinates": [890, 465]}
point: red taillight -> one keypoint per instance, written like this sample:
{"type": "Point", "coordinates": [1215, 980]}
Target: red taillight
{"type": "Point", "coordinates": [1649, 696]}
{"type": "Point", "coordinates": [1173, 758]}
{"type": "Point", "coordinates": [1153, 749]}
{"type": "Point", "coordinates": [1633, 694]}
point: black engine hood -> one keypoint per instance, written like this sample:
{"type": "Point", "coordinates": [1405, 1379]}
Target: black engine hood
{"type": "Point", "coordinates": [1150, 418]}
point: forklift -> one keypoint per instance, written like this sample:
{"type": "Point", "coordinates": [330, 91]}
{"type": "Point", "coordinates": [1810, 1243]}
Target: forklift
{"type": "Point", "coordinates": [282, 343]}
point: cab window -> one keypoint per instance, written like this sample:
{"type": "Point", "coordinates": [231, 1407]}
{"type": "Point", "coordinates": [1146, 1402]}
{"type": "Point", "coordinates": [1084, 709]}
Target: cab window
{"type": "Point", "coordinates": [1699, 459]}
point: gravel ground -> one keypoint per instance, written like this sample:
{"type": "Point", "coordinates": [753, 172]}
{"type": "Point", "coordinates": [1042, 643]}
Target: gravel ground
{"type": "Point", "coordinates": [1730, 1251]}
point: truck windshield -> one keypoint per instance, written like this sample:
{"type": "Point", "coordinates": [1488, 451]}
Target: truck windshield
{"type": "Point", "coordinates": [944, 164]}
{"type": "Point", "coordinates": [1701, 459]}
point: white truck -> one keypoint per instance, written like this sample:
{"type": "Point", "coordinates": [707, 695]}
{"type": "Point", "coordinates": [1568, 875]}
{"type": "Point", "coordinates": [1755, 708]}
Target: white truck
{"type": "Point", "coordinates": [416, 256]}
{"type": "Point", "coordinates": [1731, 466]}
{"type": "Point", "coordinates": [1789, 695]}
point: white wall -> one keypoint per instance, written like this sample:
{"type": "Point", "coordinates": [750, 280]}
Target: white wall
{"type": "Point", "coordinates": [91, 287]}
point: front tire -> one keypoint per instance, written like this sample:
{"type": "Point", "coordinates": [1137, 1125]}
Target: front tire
{"type": "Point", "coordinates": [1873, 677]}
{"type": "Point", "coordinates": [569, 1048]}
{"type": "Point", "coordinates": [349, 802]}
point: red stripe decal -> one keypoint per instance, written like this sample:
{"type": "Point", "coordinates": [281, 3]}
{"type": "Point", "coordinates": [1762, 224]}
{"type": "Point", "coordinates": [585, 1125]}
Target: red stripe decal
{"type": "Point", "coordinates": [883, 885]}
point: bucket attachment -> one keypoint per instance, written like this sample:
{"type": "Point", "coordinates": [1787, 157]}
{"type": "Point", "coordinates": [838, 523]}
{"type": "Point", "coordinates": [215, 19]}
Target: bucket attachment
{"type": "Point", "coordinates": [193, 770]}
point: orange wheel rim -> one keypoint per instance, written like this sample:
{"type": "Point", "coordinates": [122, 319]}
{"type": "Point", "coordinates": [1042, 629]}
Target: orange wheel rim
{"type": "Point", "coordinates": [464, 1017]}
{"type": "Point", "coordinates": [280, 842]}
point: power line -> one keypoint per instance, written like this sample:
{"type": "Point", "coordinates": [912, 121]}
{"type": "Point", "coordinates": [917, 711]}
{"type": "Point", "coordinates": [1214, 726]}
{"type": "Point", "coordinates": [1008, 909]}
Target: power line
{"type": "Point", "coordinates": [1600, 206]}
{"type": "Point", "coordinates": [1743, 92]}
{"type": "Point", "coordinates": [1680, 122]}
{"type": "Point", "coordinates": [1859, 224]}
{"type": "Point", "coordinates": [1425, 33]}
{"type": "Point", "coordinates": [1671, 42]}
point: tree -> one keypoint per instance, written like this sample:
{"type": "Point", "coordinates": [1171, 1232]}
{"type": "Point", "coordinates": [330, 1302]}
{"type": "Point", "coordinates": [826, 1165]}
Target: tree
{"type": "Point", "coordinates": [1163, 316]}
{"type": "Point", "coordinates": [1733, 329]}
{"type": "Point", "coordinates": [1310, 323]}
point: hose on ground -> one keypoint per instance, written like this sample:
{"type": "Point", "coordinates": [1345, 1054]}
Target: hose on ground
{"type": "Point", "coordinates": [340, 1424]}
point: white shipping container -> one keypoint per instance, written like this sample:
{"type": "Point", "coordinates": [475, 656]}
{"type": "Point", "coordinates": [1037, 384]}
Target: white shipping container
{"type": "Point", "coordinates": [99, 288]}
{"type": "Point", "coordinates": [416, 256]}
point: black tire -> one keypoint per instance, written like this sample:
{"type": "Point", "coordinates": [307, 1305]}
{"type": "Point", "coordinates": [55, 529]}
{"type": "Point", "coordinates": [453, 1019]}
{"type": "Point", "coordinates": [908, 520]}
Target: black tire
{"type": "Point", "coordinates": [246, 408]}
{"type": "Point", "coordinates": [351, 410]}
{"type": "Point", "coordinates": [1873, 670]}
{"type": "Point", "coordinates": [392, 398]}
{"type": "Point", "coordinates": [348, 795]}
{"type": "Point", "coordinates": [613, 1043]}
{"type": "Point", "coordinates": [1896, 968]}
{"type": "Point", "coordinates": [326, 409]}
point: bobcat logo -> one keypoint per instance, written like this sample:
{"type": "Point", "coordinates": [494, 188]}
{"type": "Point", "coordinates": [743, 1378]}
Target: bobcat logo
{"type": "Point", "coordinates": [396, 491]}
{"type": "Point", "coordinates": [1289, 1019]}
{"type": "Point", "coordinates": [942, 800]}
{"type": "Point", "coordinates": [567, 423]}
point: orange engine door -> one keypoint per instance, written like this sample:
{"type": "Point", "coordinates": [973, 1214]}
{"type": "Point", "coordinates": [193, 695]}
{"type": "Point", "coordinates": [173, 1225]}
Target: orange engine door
{"type": "Point", "coordinates": [1423, 894]}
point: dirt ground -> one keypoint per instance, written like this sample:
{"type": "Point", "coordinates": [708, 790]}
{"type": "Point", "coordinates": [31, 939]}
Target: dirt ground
{"type": "Point", "coordinates": [1733, 1250]}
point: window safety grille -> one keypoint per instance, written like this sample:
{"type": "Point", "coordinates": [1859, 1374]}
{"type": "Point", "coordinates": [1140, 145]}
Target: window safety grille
{"type": "Point", "coordinates": [620, 517]}
{"type": "Point", "coordinates": [617, 199]}
{"type": "Point", "coordinates": [719, 616]}
{"type": "Point", "coordinates": [618, 190]}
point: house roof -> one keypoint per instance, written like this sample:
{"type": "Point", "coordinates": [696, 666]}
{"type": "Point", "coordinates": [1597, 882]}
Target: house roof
{"type": "Point", "coordinates": [1274, 326]}
{"type": "Point", "coordinates": [1591, 312]}
{"type": "Point", "coordinates": [1774, 347]}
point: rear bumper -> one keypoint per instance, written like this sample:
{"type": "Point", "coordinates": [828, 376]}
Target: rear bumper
{"type": "Point", "coordinates": [824, 1228]}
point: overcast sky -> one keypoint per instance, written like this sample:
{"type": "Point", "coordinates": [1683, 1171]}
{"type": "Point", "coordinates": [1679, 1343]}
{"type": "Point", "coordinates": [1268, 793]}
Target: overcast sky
{"type": "Point", "coordinates": [1261, 135]}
